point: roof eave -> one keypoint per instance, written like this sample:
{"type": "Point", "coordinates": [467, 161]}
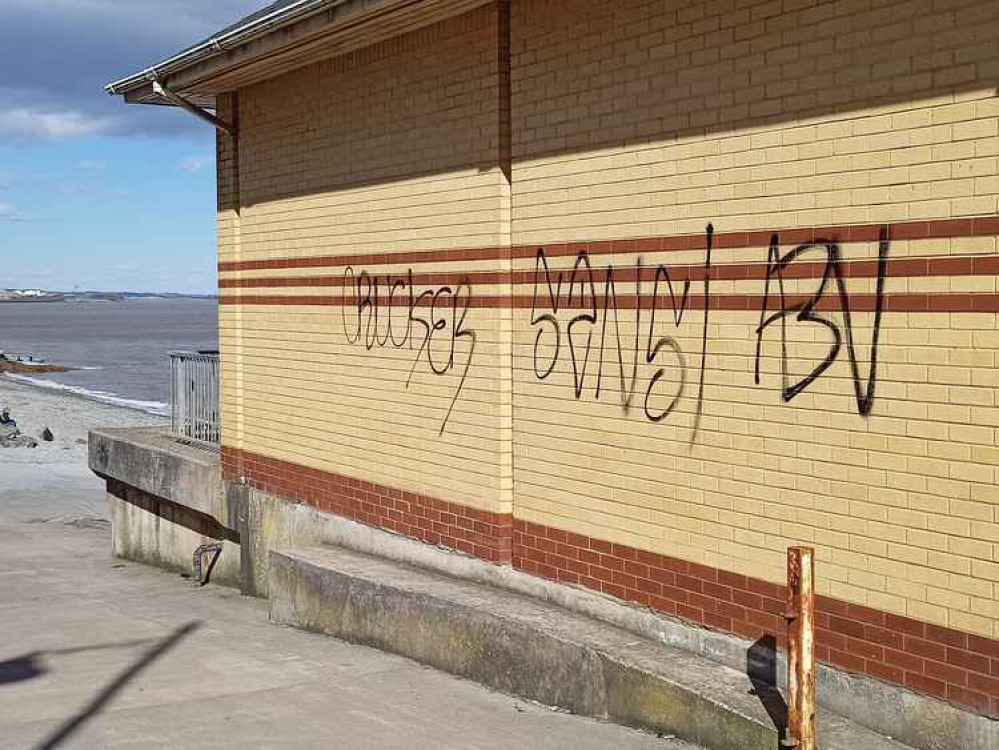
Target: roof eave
{"type": "Point", "coordinates": [288, 43]}
{"type": "Point", "coordinates": [218, 45]}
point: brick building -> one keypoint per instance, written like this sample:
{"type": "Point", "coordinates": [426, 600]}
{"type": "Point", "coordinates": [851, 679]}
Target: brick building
{"type": "Point", "coordinates": [631, 296]}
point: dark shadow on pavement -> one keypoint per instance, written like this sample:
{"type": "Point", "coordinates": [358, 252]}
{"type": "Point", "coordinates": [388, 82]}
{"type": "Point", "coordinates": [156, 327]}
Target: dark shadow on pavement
{"type": "Point", "coordinates": [761, 667]}
{"type": "Point", "coordinates": [23, 668]}
{"type": "Point", "coordinates": [102, 699]}
{"type": "Point", "coordinates": [29, 666]}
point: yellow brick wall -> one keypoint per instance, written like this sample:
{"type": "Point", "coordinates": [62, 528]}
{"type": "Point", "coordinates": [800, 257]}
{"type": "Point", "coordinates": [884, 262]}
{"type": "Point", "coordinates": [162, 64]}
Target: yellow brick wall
{"type": "Point", "coordinates": [629, 121]}
{"type": "Point", "coordinates": [640, 119]}
{"type": "Point", "coordinates": [391, 149]}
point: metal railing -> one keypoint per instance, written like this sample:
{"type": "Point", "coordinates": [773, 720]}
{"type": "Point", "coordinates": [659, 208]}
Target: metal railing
{"type": "Point", "coordinates": [194, 397]}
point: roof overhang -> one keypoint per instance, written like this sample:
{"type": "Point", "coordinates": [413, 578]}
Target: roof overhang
{"type": "Point", "coordinates": [294, 35]}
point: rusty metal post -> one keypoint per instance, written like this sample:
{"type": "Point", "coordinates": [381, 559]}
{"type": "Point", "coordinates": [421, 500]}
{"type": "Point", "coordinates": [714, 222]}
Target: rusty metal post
{"type": "Point", "coordinates": [801, 648]}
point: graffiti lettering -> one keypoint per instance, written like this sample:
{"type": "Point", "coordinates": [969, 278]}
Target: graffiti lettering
{"type": "Point", "coordinates": [804, 312]}
{"type": "Point", "coordinates": [653, 355]}
{"type": "Point", "coordinates": [602, 318]}
{"type": "Point", "coordinates": [375, 300]}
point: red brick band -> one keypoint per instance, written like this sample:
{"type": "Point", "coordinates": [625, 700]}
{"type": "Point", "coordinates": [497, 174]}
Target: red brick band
{"type": "Point", "coordinates": [982, 265]}
{"type": "Point", "coordinates": [949, 664]}
{"type": "Point", "coordinates": [958, 667]}
{"type": "Point", "coordinates": [911, 230]}
{"type": "Point", "coordinates": [902, 302]}
{"type": "Point", "coordinates": [476, 532]}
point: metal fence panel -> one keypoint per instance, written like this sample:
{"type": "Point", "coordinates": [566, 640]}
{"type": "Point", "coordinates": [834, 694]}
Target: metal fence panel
{"type": "Point", "coordinates": [194, 397]}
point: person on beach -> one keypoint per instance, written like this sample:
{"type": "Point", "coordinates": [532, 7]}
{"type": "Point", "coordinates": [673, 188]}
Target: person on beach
{"type": "Point", "coordinates": [6, 419]}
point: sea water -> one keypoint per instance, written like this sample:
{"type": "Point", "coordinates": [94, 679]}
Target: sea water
{"type": "Point", "coordinates": [119, 350]}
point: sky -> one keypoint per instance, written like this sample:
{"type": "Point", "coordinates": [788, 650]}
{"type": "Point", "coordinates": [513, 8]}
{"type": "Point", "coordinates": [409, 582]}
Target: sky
{"type": "Point", "coordinates": [96, 194]}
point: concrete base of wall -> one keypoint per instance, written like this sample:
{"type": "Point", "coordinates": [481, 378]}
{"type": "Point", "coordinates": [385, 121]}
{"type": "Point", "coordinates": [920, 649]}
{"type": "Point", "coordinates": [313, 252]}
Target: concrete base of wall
{"type": "Point", "coordinates": [266, 523]}
{"type": "Point", "coordinates": [531, 648]}
{"type": "Point", "coordinates": [154, 531]}
{"type": "Point", "coordinates": [166, 499]}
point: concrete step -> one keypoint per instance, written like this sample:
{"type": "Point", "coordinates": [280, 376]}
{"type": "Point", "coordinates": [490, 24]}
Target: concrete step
{"type": "Point", "coordinates": [530, 648]}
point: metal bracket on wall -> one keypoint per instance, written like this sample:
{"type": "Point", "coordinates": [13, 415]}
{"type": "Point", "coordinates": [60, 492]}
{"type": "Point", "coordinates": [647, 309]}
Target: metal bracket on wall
{"type": "Point", "coordinates": [176, 99]}
{"type": "Point", "coordinates": [216, 548]}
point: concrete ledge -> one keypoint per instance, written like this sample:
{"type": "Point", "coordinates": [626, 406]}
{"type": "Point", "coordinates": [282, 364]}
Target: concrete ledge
{"type": "Point", "coordinates": [148, 459]}
{"type": "Point", "coordinates": [914, 719]}
{"type": "Point", "coordinates": [531, 648]}
{"type": "Point", "coordinates": [164, 500]}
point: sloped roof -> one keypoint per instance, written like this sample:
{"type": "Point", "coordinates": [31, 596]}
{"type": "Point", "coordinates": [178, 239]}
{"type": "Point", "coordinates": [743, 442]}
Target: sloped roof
{"type": "Point", "coordinates": [244, 21]}
{"type": "Point", "coordinates": [281, 36]}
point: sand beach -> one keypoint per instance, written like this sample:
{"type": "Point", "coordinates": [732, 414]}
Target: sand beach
{"type": "Point", "coordinates": [69, 417]}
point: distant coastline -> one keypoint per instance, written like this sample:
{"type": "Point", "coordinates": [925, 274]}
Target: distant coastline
{"type": "Point", "coordinates": [17, 296]}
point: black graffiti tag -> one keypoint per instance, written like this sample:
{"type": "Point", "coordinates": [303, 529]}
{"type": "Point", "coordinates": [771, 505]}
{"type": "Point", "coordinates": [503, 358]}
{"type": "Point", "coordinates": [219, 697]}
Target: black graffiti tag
{"type": "Point", "coordinates": [598, 327]}
{"type": "Point", "coordinates": [804, 311]}
{"type": "Point", "coordinates": [376, 324]}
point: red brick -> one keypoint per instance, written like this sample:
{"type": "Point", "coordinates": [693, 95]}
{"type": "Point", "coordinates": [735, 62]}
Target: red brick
{"type": "Point", "coordinates": [865, 615]}
{"type": "Point", "coordinates": [886, 672]}
{"type": "Point", "coordinates": [649, 587]}
{"type": "Point", "coordinates": [605, 548]}
{"type": "Point", "coordinates": [984, 646]}
{"type": "Point", "coordinates": [716, 620]}
{"type": "Point", "coordinates": [864, 650]}
{"type": "Point", "coordinates": [924, 684]}
{"type": "Point", "coordinates": [925, 648]}
{"type": "Point", "coordinates": [946, 636]}
{"type": "Point", "coordinates": [946, 672]}
{"type": "Point", "coordinates": [847, 627]}
{"type": "Point", "coordinates": [967, 660]}
{"type": "Point", "coordinates": [978, 702]}
{"type": "Point", "coordinates": [747, 599]}
{"type": "Point", "coordinates": [716, 591]}
{"type": "Point", "coordinates": [905, 625]}
{"type": "Point", "coordinates": [985, 684]}
{"type": "Point", "coordinates": [885, 637]}
{"type": "Point", "coordinates": [846, 660]}
{"type": "Point", "coordinates": [690, 613]}
{"type": "Point", "coordinates": [905, 660]}
{"type": "Point", "coordinates": [689, 583]}
{"type": "Point", "coordinates": [623, 552]}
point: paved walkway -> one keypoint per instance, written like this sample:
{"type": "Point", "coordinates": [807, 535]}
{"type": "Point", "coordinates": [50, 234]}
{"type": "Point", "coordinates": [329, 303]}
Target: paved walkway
{"type": "Point", "coordinates": [99, 653]}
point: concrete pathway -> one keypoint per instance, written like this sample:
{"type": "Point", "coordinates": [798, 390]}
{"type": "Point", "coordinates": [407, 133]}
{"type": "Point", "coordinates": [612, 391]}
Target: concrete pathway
{"type": "Point", "coordinates": [99, 653]}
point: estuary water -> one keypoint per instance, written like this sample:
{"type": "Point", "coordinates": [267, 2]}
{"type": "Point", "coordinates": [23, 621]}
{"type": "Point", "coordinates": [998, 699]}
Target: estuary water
{"type": "Point", "coordinates": [119, 349]}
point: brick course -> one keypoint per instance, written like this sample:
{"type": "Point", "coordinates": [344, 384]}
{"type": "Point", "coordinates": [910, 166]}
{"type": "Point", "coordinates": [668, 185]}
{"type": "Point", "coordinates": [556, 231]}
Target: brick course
{"type": "Point", "coordinates": [458, 527]}
{"type": "Point", "coordinates": [941, 662]}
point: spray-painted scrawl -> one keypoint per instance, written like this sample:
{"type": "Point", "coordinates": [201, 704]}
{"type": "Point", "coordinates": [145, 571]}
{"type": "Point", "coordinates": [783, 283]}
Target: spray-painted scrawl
{"type": "Point", "coordinates": [576, 319]}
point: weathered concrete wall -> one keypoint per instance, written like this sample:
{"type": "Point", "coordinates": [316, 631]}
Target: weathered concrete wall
{"type": "Point", "coordinates": [158, 532]}
{"type": "Point", "coordinates": [269, 525]}
{"type": "Point", "coordinates": [148, 459]}
{"type": "Point", "coordinates": [164, 500]}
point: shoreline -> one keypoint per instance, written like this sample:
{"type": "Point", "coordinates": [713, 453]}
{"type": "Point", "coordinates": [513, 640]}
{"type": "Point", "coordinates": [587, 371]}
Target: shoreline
{"type": "Point", "coordinates": [63, 464]}
{"type": "Point", "coordinates": [57, 388]}
{"type": "Point", "coordinates": [70, 417]}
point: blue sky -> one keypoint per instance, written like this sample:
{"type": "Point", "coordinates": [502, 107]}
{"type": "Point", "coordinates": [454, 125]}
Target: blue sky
{"type": "Point", "coordinates": [93, 193]}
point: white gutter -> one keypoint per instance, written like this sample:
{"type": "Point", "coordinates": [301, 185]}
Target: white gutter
{"type": "Point", "coordinates": [219, 44]}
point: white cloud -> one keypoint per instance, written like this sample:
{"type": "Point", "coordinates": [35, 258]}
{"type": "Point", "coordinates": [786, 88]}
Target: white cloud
{"type": "Point", "coordinates": [9, 213]}
{"type": "Point", "coordinates": [196, 163]}
{"type": "Point", "coordinates": [23, 122]}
